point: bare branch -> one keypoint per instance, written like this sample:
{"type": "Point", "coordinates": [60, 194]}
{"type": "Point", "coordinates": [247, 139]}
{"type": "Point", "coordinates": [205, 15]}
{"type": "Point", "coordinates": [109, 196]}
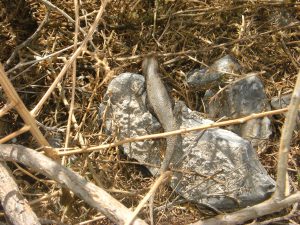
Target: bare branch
{"type": "Point", "coordinates": [285, 140]}
{"type": "Point", "coordinates": [253, 212]}
{"type": "Point", "coordinates": [89, 192]}
{"type": "Point", "coordinates": [15, 205]}
{"type": "Point", "coordinates": [14, 98]}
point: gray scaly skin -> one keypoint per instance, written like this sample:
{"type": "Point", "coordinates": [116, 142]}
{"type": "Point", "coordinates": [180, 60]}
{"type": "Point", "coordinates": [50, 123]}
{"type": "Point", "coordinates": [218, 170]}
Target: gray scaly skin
{"type": "Point", "coordinates": [160, 102]}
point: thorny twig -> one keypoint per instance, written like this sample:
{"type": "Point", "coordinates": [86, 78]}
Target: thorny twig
{"type": "Point", "coordinates": [70, 61]}
{"type": "Point", "coordinates": [50, 6]}
{"type": "Point", "coordinates": [28, 40]}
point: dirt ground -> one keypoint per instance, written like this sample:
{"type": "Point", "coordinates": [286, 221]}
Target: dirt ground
{"type": "Point", "coordinates": [263, 36]}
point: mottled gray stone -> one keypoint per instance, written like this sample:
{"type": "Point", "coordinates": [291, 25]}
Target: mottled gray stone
{"type": "Point", "coordinates": [239, 180]}
{"type": "Point", "coordinates": [282, 102]}
{"type": "Point", "coordinates": [243, 98]}
{"type": "Point", "coordinates": [212, 76]}
{"type": "Point", "coordinates": [229, 172]}
{"type": "Point", "coordinates": [127, 116]}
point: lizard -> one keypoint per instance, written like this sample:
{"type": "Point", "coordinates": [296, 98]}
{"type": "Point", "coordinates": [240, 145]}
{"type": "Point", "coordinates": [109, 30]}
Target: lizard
{"type": "Point", "coordinates": [160, 103]}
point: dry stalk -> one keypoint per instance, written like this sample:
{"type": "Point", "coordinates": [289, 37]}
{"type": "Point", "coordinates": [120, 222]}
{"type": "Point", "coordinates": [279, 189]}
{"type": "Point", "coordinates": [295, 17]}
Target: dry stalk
{"type": "Point", "coordinates": [6, 108]}
{"type": "Point", "coordinates": [98, 84]}
{"type": "Point", "coordinates": [22, 64]}
{"type": "Point", "coordinates": [65, 192]}
{"type": "Point", "coordinates": [14, 134]}
{"type": "Point", "coordinates": [28, 40]}
{"type": "Point", "coordinates": [261, 209]}
{"type": "Point", "coordinates": [91, 220]}
{"type": "Point", "coordinates": [180, 131]}
{"type": "Point", "coordinates": [89, 192]}
{"type": "Point", "coordinates": [50, 6]}
{"type": "Point", "coordinates": [25, 114]}
{"type": "Point", "coordinates": [73, 78]}
{"type": "Point", "coordinates": [294, 24]}
{"type": "Point", "coordinates": [162, 178]}
{"type": "Point", "coordinates": [45, 197]}
{"type": "Point", "coordinates": [89, 35]}
{"type": "Point", "coordinates": [32, 176]}
{"type": "Point", "coordinates": [73, 118]}
{"type": "Point", "coordinates": [285, 140]}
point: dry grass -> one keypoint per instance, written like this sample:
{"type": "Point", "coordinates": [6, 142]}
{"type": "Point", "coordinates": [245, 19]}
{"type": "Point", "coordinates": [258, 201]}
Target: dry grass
{"type": "Point", "coordinates": [185, 35]}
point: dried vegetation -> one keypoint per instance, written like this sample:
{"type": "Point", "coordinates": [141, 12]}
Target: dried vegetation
{"type": "Point", "coordinates": [263, 36]}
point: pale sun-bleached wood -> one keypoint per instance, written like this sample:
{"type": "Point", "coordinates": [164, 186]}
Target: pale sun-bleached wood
{"type": "Point", "coordinates": [89, 192]}
{"type": "Point", "coordinates": [16, 207]}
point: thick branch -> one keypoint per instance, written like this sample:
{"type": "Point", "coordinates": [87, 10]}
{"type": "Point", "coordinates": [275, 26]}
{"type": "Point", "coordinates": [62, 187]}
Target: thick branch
{"type": "Point", "coordinates": [89, 192]}
{"type": "Point", "coordinates": [16, 208]}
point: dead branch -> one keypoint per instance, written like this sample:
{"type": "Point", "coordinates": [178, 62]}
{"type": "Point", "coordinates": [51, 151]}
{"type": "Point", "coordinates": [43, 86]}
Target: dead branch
{"type": "Point", "coordinates": [285, 140]}
{"type": "Point", "coordinates": [14, 98]}
{"type": "Point", "coordinates": [89, 192]}
{"type": "Point", "coordinates": [16, 208]}
{"type": "Point", "coordinates": [28, 40]}
{"type": "Point", "coordinates": [264, 208]}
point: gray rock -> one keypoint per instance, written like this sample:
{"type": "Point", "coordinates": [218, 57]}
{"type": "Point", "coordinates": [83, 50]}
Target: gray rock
{"type": "Point", "coordinates": [229, 174]}
{"type": "Point", "coordinates": [243, 98]}
{"type": "Point", "coordinates": [127, 116]}
{"type": "Point", "coordinates": [282, 102]}
{"type": "Point", "coordinates": [211, 77]}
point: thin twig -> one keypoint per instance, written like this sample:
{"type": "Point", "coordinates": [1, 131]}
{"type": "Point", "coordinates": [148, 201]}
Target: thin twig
{"type": "Point", "coordinates": [20, 65]}
{"type": "Point", "coordinates": [162, 178]}
{"type": "Point", "coordinates": [28, 40]}
{"type": "Point", "coordinates": [50, 6]}
{"type": "Point", "coordinates": [180, 131]}
{"type": "Point", "coordinates": [73, 79]}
